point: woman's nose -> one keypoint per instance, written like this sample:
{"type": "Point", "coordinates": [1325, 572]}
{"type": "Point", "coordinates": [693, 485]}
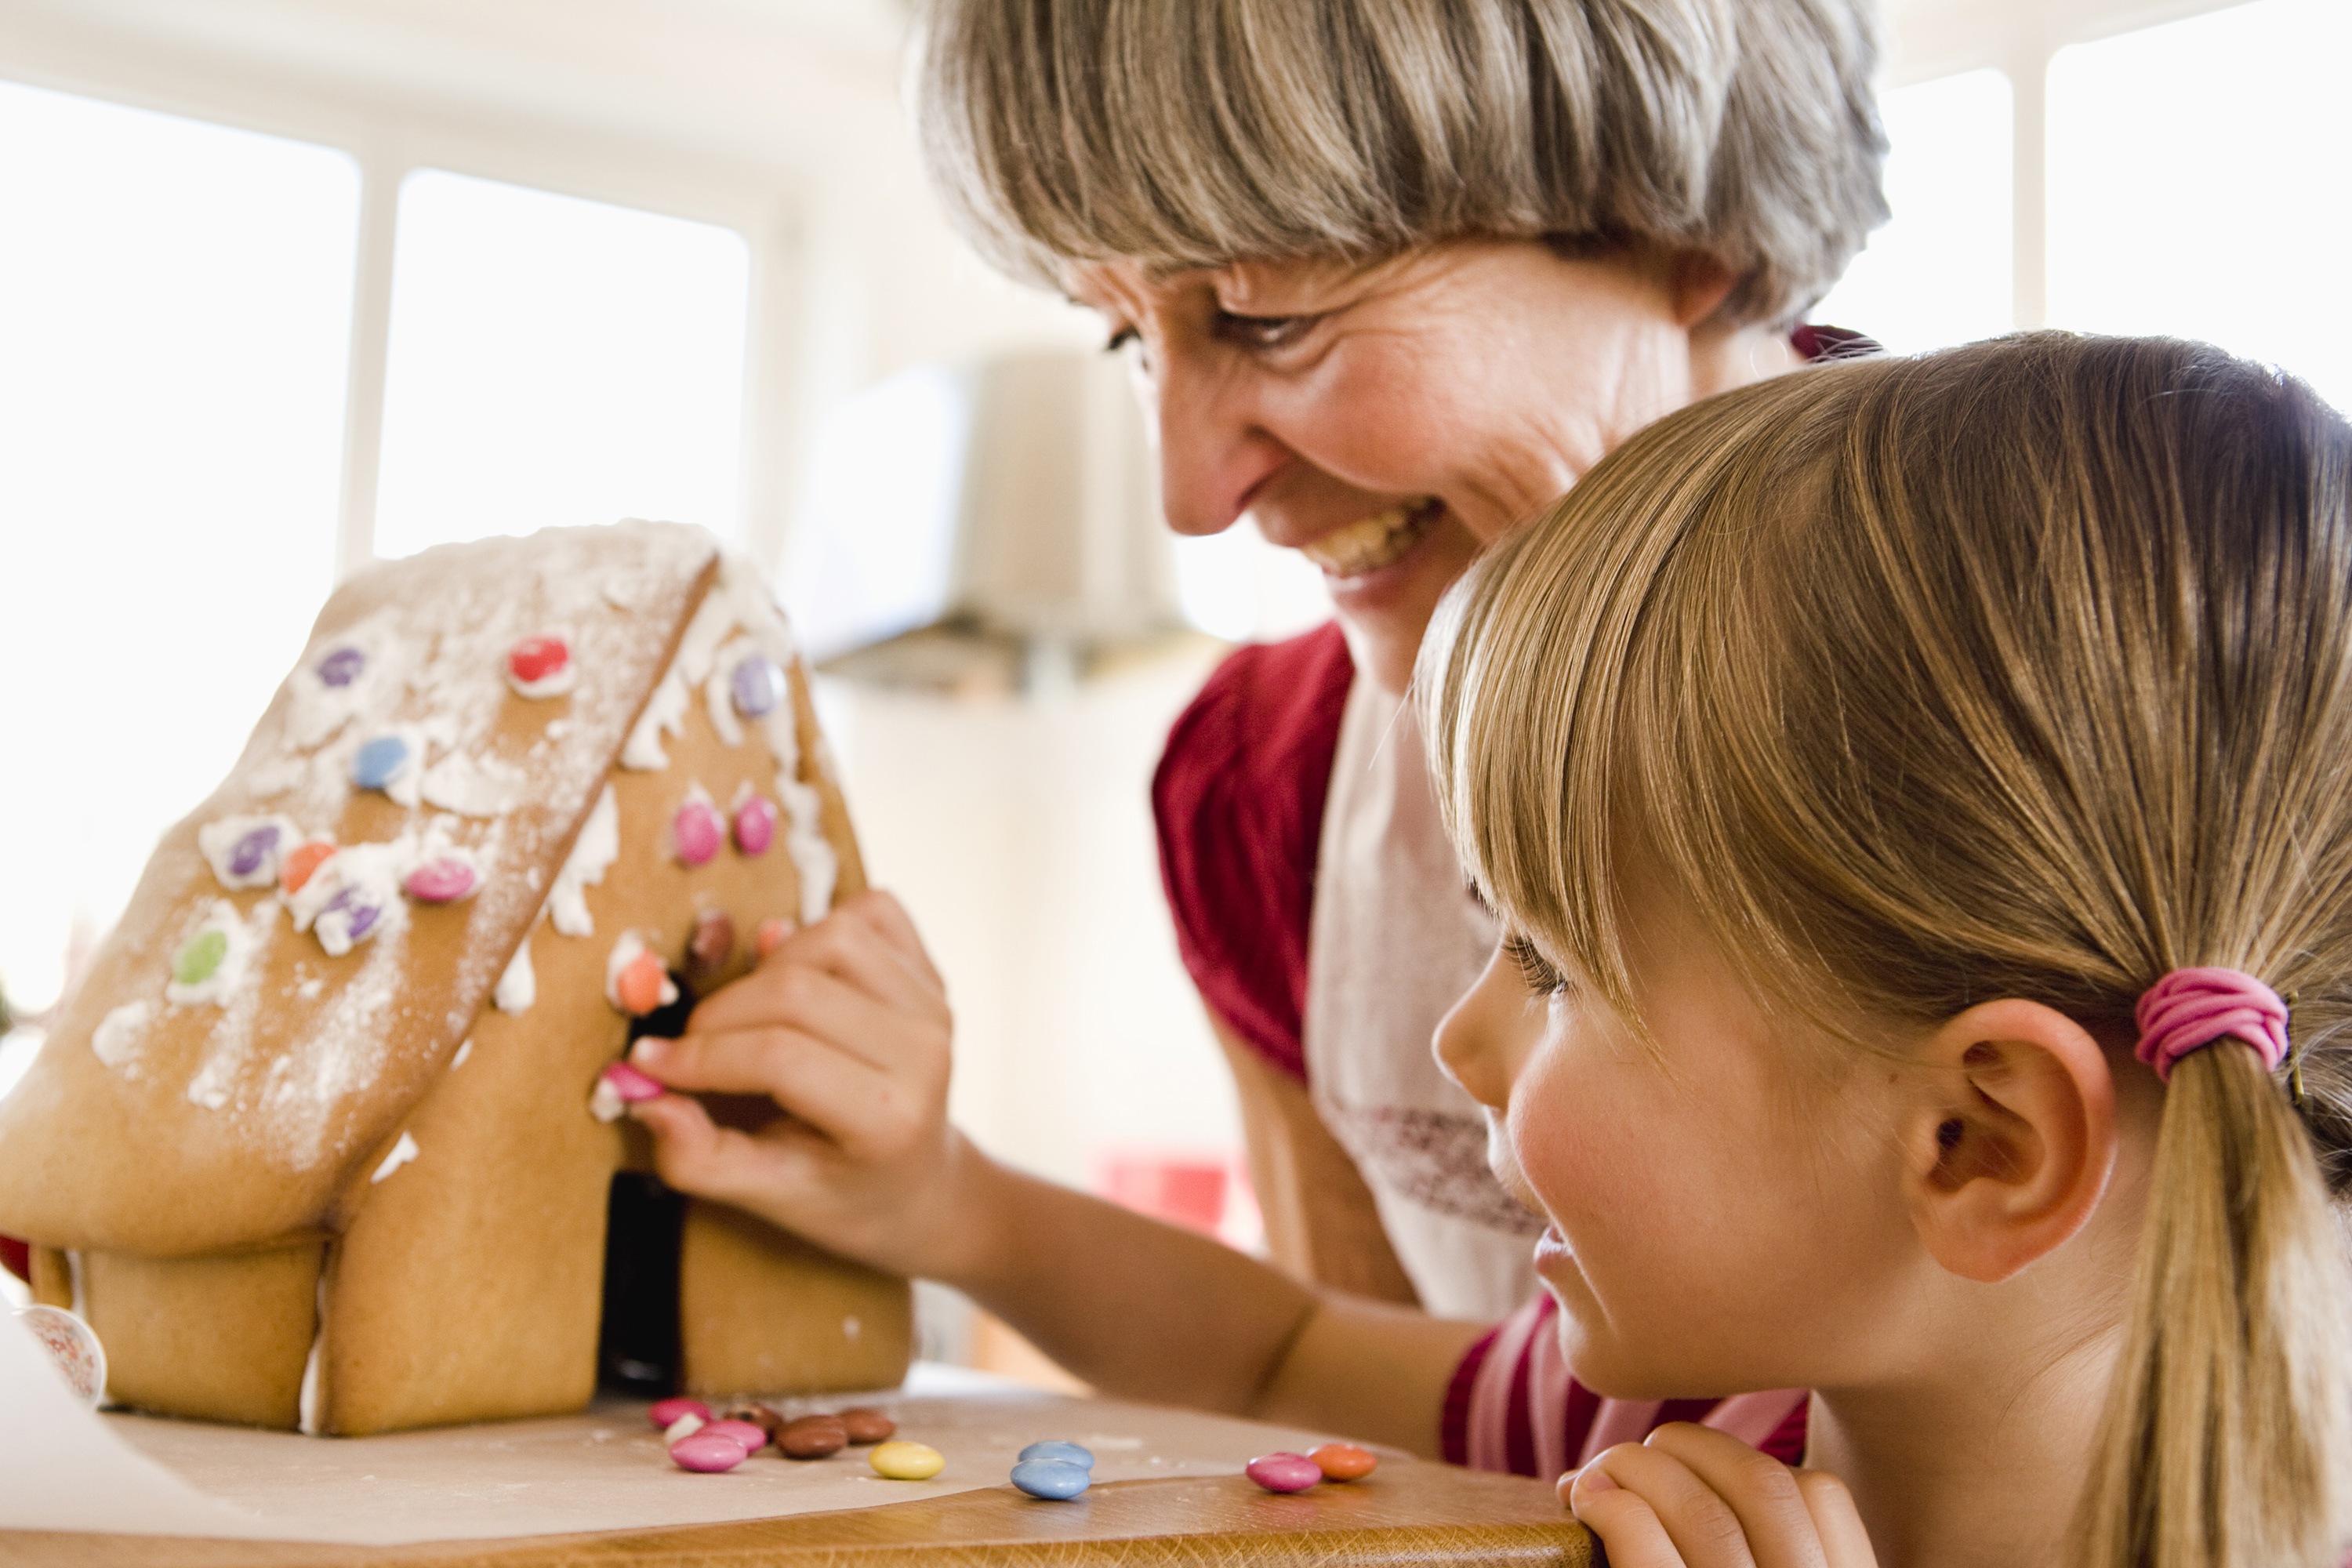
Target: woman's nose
{"type": "Point", "coordinates": [1477, 1041]}
{"type": "Point", "coordinates": [1213, 455]}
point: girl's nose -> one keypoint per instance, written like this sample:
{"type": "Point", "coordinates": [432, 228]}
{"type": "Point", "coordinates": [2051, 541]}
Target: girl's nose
{"type": "Point", "coordinates": [1478, 1041]}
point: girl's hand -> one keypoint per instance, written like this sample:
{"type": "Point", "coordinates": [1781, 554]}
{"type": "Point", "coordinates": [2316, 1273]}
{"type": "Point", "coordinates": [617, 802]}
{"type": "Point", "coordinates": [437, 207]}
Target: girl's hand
{"type": "Point", "coordinates": [844, 1030]}
{"type": "Point", "coordinates": [1691, 1497]}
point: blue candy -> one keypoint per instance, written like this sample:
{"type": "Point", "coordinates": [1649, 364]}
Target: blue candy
{"type": "Point", "coordinates": [379, 762]}
{"type": "Point", "coordinates": [1055, 1480]}
{"type": "Point", "coordinates": [1057, 1452]}
{"type": "Point", "coordinates": [759, 685]}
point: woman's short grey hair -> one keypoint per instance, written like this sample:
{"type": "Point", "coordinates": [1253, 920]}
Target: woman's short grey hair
{"type": "Point", "coordinates": [1195, 132]}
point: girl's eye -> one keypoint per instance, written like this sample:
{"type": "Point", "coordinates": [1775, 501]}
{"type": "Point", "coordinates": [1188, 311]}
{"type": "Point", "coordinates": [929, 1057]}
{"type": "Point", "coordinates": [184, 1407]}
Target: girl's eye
{"type": "Point", "coordinates": [1121, 338]}
{"type": "Point", "coordinates": [1534, 970]}
{"type": "Point", "coordinates": [1263, 331]}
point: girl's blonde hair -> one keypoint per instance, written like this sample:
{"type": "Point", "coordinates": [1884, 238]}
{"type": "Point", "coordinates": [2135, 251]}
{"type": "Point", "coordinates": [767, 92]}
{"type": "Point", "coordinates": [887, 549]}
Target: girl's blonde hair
{"type": "Point", "coordinates": [1195, 132]}
{"type": "Point", "coordinates": [2021, 669]}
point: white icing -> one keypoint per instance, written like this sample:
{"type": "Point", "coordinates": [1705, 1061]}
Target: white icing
{"type": "Point", "coordinates": [593, 854]}
{"type": "Point", "coordinates": [74, 1284]}
{"type": "Point", "coordinates": [218, 841]}
{"type": "Point", "coordinates": [317, 711]}
{"type": "Point", "coordinates": [401, 1154]}
{"type": "Point", "coordinates": [309, 989]}
{"type": "Point", "coordinates": [307, 1418]}
{"type": "Point", "coordinates": [625, 953]}
{"type": "Point", "coordinates": [604, 1101]}
{"type": "Point", "coordinates": [472, 786]}
{"type": "Point", "coordinates": [209, 1087]}
{"type": "Point", "coordinates": [116, 1039]}
{"type": "Point", "coordinates": [518, 987]}
{"type": "Point", "coordinates": [718, 691]}
{"type": "Point", "coordinates": [665, 712]}
{"type": "Point", "coordinates": [371, 874]}
{"type": "Point", "coordinates": [465, 1049]}
{"type": "Point", "coordinates": [242, 937]}
{"type": "Point", "coordinates": [620, 592]}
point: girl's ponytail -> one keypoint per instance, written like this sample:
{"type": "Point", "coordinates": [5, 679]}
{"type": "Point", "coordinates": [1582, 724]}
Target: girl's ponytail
{"type": "Point", "coordinates": [2226, 1427]}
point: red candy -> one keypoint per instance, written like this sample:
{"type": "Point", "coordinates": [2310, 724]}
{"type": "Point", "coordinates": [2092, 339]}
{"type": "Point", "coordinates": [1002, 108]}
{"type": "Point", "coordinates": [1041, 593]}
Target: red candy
{"type": "Point", "coordinates": [641, 984]}
{"type": "Point", "coordinates": [1282, 1473]}
{"type": "Point", "coordinates": [696, 832]}
{"type": "Point", "coordinates": [440, 881]}
{"type": "Point", "coordinates": [708, 1452]}
{"type": "Point", "coordinates": [295, 869]}
{"type": "Point", "coordinates": [666, 1412]}
{"type": "Point", "coordinates": [755, 825]}
{"type": "Point", "coordinates": [534, 660]}
{"type": "Point", "coordinates": [633, 1085]}
{"type": "Point", "coordinates": [771, 933]}
{"type": "Point", "coordinates": [1344, 1461]}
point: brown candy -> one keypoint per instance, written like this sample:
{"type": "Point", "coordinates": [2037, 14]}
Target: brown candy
{"type": "Point", "coordinates": [760, 1416]}
{"type": "Point", "coordinates": [812, 1437]}
{"type": "Point", "coordinates": [866, 1425]}
{"type": "Point", "coordinates": [713, 944]}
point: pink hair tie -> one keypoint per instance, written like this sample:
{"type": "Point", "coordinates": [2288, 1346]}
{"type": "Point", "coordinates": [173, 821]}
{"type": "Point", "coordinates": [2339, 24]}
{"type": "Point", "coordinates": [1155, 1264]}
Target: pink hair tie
{"type": "Point", "coordinates": [2192, 1008]}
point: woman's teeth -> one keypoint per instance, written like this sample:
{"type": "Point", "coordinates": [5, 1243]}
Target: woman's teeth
{"type": "Point", "coordinates": [1372, 542]}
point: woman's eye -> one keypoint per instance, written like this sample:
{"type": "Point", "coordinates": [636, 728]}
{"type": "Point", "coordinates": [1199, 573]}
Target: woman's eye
{"type": "Point", "coordinates": [1263, 331]}
{"type": "Point", "coordinates": [1534, 970]}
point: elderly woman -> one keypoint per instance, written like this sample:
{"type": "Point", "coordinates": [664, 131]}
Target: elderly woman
{"type": "Point", "coordinates": [1395, 274]}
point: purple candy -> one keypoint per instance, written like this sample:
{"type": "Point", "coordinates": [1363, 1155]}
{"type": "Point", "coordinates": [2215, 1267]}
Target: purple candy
{"type": "Point", "coordinates": [759, 685]}
{"type": "Point", "coordinates": [341, 667]}
{"type": "Point", "coordinates": [1284, 1472]}
{"type": "Point", "coordinates": [440, 881]}
{"type": "Point", "coordinates": [245, 858]}
{"type": "Point", "coordinates": [363, 915]}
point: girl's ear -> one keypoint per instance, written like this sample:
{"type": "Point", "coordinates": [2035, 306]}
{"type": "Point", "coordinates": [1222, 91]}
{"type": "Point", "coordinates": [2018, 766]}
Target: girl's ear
{"type": "Point", "coordinates": [2008, 1149]}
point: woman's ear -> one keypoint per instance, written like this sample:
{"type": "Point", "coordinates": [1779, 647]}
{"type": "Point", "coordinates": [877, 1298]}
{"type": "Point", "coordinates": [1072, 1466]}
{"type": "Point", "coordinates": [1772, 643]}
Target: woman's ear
{"type": "Point", "coordinates": [1700, 282]}
{"type": "Point", "coordinates": [2009, 1146]}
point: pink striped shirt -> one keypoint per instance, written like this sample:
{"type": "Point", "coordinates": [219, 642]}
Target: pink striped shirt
{"type": "Point", "coordinates": [1512, 1406]}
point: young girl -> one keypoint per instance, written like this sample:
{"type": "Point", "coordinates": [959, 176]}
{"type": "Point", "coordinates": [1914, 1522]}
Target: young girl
{"type": "Point", "coordinates": [1917, 795]}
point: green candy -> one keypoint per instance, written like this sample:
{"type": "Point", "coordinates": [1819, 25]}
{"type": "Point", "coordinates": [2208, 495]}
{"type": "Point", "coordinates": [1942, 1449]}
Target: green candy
{"type": "Point", "coordinates": [200, 957]}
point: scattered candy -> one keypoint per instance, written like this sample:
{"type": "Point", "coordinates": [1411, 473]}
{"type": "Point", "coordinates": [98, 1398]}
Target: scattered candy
{"type": "Point", "coordinates": [1057, 1452]}
{"type": "Point", "coordinates": [380, 762]}
{"type": "Point", "coordinates": [348, 915]}
{"type": "Point", "coordinates": [620, 1084]}
{"type": "Point", "coordinates": [1344, 1461]}
{"type": "Point", "coordinates": [1055, 1480]}
{"type": "Point", "coordinates": [907, 1461]}
{"type": "Point", "coordinates": [708, 1452]}
{"type": "Point", "coordinates": [712, 946]}
{"type": "Point", "coordinates": [341, 667]}
{"type": "Point", "coordinates": [665, 1411]}
{"type": "Point", "coordinates": [812, 1437]}
{"type": "Point", "coordinates": [246, 856]}
{"type": "Point", "coordinates": [643, 986]}
{"type": "Point", "coordinates": [744, 1432]}
{"type": "Point", "coordinates": [536, 660]}
{"type": "Point", "coordinates": [688, 1423]}
{"type": "Point", "coordinates": [1284, 1472]}
{"type": "Point", "coordinates": [440, 881]}
{"type": "Point", "coordinates": [199, 956]}
{"type": "Point", "coordinates": [755, 825]}
{"type": "Point", "coordinates": [771, 933]}
{"type": "Point", "coordinates": [757, 685]}
{"type": "Point", "coordinates": [696, 833]}
{"type": "Point", "coordinates": [301, 862]}
{"type": "Point", "coordinates": [758, 1415]}
{"type": "Point", "coordinates": [866, 1425]}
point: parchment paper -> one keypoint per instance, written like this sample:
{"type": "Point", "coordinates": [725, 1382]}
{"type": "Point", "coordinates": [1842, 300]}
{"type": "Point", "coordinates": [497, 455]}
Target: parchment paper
{"type": "Point", "coordinates": [62, 1467]}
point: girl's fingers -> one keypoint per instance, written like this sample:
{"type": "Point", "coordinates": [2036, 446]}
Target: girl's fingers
{"type": "Point", "coordinates": [1760, 1492]}
{"type": "Point", "coordinates": [1844, 1543]}
{"type": "Point", "coordinates": [823, 1007]}
{"type": "Point", "coordinates": [847, 954]}
{"type": "Point", "coordinates": [1626, 1523]}
{"type": "Point", "coordinates": [867, 1111]}
{"type": "Point", "coordinates": [1701, 1499]}
{"type": "Point", "coordinates": [693, 1154]}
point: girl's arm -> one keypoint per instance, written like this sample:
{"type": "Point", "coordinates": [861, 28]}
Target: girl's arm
{"type": "Point", "coordinates": [846, 1028]}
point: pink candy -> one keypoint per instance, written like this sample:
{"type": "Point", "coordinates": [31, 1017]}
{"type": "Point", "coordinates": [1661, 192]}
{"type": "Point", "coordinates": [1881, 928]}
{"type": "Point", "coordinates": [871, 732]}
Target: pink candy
{"type": "Point", "coordinates": [1281, 1472]}
{"type": "Point", "coordinates": [666, 1412]}
{"type": "Point", "coordinates": [696, 832]}
{"type": "Point", "coordinates": [743, 1432]}
{"type": "Point", "coordinates": [708, 1452]}
{"type": "Point", "coordinates": [440, 881]}
{"type": "Point", "coordinates": [633, 1085]}
{"type": "Point", "coordinates": [755, 825]}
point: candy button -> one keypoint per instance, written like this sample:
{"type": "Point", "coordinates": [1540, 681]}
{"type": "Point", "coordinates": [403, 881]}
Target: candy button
{"type": "Point", "coordinates": [632, 1086]}
{"type": "Point", "coordinates": [755, 825]}
{"type": "Point", "coordinates": [713, 943]}
{"type": "Point", "coordinates": [907, 1461]}
{"type": "Point", "coordinates": [1344, 1461]}
{"type": "Point", "coordinates": [341, 667]}
{"type": "Point", "coordinates": [757, 685]}
{"type": "Point", "coordinates": [1055, 1480]}
{"type": "Point", "coordinates": [245, 858]}
{"type": "Point", "coordinates": [301, 862]}
{"type": "Point", "coordinates": [1058, 1452]}
{"type": "Point", "coordinates": [744, 1432]}
{"type": "Point", "coordinates": [199, 956]}
{"type": "Point", "coordinates": [379, 762]}
{"type": "Point", "coordinates": [708, 1452]}
{"type": "Point", "coordinates": [685, 1427]}
{"type": "Point", "coordinates": [1284, 1472]}
{"type": "Point", "coordinates": [758, 1415]}
{"type": "Point", "coordinates": [665, 1411]}
{"type": "Point", "coordinates": [641, 984]}
{"type": "Point", "coordinates": [359, 915]}
{"type": "Point", "coordinates": [866, 1425]}
{"type": "Point", "coordinates": [440, 881]}
{"type": "Point", "coordinates": [535, 659]}
{"type": "Point", "coordinates": [812, 1437]}
{"type": "Point", "coordinates": [771, 933]}
{"type": "Point", "coordinates": [696, 832]}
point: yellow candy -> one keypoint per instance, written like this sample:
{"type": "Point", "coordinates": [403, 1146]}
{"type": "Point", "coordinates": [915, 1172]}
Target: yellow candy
{"type": "Point", "coordinates": [907, 1461]}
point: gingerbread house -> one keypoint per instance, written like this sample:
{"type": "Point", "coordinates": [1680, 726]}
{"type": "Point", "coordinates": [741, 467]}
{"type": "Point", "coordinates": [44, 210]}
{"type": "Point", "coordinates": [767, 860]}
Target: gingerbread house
{"type": "Point", "coordinates": [325, 1139]}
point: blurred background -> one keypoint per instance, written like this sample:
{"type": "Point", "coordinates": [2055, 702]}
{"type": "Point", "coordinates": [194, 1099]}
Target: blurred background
{"type": "Point", "coordinates": [290, 285]}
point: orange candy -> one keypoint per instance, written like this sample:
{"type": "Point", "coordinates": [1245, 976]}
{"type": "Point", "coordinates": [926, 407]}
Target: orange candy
{"type": "Point", "coordinates": [639, 985]}
{"type": "Point", "coordinates": [1344, 1461]}
{"type": "Point", "coordinates": [771, 933]}
{"type": "Point", "coordinates": [300, 863]}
